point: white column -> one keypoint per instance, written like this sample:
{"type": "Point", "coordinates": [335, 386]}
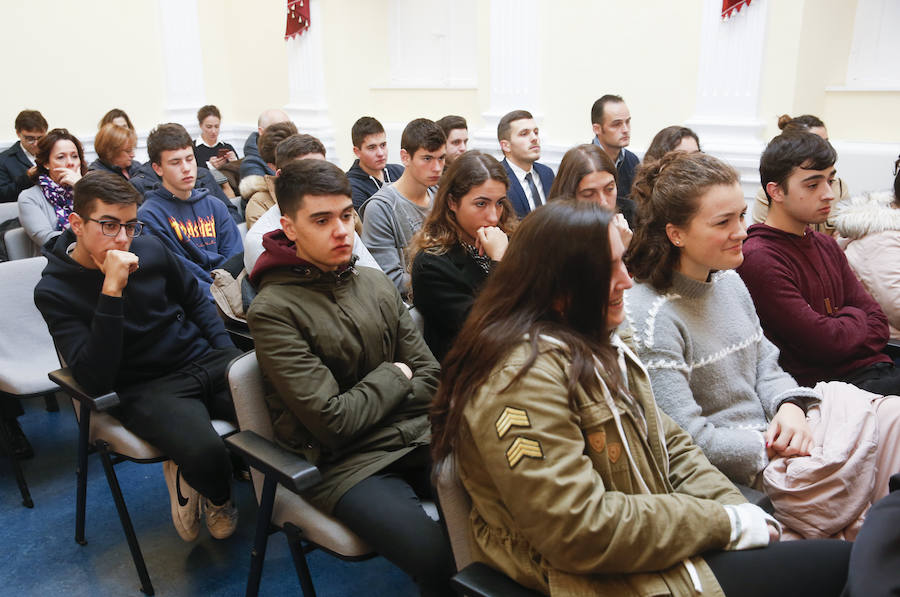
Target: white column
{"type": "Point", "coordinates": [514, 67]}
{"type": "Point", "coordinates": [726, 116]}
{"type": "Point", "coordinates": [182, 61]}
{"type": "Point", "coordinates": [307, 105]}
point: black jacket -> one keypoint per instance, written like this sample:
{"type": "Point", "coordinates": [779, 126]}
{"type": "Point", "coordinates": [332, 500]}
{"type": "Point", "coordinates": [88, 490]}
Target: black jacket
{"type": "Point", "coordinates": [253, 164]}
{"type": "Point", "coordinates": [364, 186]}
{"type": "Point", "coordinates": [13, 178]}
{"type": "Point", "coordinates": [102, 166]}
{"type": "Point", "coordinates": [443, 290]}
{"type": "Point", "coordinates": [162, 321]}
{"type": "Point", "coordinates": [146, 180]}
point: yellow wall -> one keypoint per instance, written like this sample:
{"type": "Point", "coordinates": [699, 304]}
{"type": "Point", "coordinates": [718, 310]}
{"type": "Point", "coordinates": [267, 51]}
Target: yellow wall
{"type": "Point", "coordinates": [73, 62]}
{"type": "Point", "coordinates": [106, 53]}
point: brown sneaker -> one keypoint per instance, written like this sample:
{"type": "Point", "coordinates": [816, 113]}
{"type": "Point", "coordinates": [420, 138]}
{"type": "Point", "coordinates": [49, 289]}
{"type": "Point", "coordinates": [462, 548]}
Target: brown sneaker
{"type": "Point", "coordinates": [185, 502]}
{"type": "Point", "coordinates": [220, 520]}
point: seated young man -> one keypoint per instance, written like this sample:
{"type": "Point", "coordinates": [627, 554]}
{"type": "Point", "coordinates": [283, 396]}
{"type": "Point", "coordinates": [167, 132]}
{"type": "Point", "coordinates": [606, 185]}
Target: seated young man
{"type": "Point", "coordinates": [295, 147]}
{"type": "Point", "coordinates": [257, 190]}
{"type": "Point", "coordinates": [393, 215]}
{"type": "Point", "coordinates": [457, 132]}
{"type": "Point", "coordinates": [193, 225]}
{"type": "Point", "coordinates": [147, 179]}
{"type": "Point", "coordinates": [353, 377]}
{"type": "Point", "coordinates": [810, 304]}
{"type": "Point", "coordinates": [126, 316]}
{"type": "Point", "coordinates": [370, 171]}
{"type": "Point", "coordinates": [529, 180]}
{"type": "Point", "coordinates": [16, 160]}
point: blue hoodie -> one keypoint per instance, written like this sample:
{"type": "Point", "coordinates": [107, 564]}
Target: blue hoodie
{"type": "Point", "coordinates": [198, 230]}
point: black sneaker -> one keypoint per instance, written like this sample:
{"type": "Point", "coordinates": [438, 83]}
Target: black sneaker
{"type": "Point", "coordinates": [21, 447]}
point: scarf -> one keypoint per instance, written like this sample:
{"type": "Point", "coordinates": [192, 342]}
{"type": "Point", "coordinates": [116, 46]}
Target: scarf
{"type": "Point", "coordinates": [59, 197]}
{"type": "Point", "coordinates": [483, 261]}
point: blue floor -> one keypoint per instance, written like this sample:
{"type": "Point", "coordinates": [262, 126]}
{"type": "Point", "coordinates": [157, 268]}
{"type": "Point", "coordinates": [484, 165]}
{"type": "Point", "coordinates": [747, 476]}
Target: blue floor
{"type": "Point", "coordinates": [39, 556]}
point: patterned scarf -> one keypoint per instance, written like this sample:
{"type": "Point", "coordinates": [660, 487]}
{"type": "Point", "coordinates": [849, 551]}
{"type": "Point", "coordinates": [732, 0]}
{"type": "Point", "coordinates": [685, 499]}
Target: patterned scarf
{"type": "Point", "coordinates": [482, 260]}
{"type": "Point", "coordinates": [59, 197]}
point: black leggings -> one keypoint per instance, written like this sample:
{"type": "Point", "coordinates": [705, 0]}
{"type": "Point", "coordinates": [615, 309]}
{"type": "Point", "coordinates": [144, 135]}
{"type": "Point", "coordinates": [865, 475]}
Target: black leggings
{"type": "Point", "coordinates": [385, 510]}
{"type": "Point", "coordinates": [173, 414]}
{"type": "Point", "coordinates": [813, 567]}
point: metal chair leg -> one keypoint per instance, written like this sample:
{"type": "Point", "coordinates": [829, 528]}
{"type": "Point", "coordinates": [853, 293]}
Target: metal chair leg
{"type": "Point", "coordinates": [260, 542]}
{"type": "Point", "coordinates": [299, 556]}
{"type": "Point", "coordinates": [125, 519]}
{"type": "Point", "coordinates": [6, 443]}
{"type": "Point", "coordinates": [84, 427]}
{"type": "Point", "coordinates": [50, 403]}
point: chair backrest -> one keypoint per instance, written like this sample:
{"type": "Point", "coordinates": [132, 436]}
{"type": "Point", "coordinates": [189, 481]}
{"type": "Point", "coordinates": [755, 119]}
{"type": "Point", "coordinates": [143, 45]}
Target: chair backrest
{"type": "Point", "coordinates": [248, 394]}
{"type": "Point", "coordinates": [18, 245]}
{"type": "Point", "coordinates": [455, 506]}
{"type": "Point", "coordinates": [417, 319]}
{"type": "Point", "coordinates": [8, 211]}
{"type": "Point", "coordinates": [26, 350]}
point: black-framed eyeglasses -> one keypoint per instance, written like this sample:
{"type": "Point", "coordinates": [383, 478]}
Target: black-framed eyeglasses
{"type": "Point", "coordinates": [111, 227]}
{"type": "Point", "coordinates": [32, 138]}
{"type": "Point", "coordinates": [897, 166]}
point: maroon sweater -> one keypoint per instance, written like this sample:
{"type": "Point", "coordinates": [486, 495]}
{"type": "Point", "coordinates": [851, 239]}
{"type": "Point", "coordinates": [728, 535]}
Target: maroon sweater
{"type": "Point", "coordinates": [811, 305]}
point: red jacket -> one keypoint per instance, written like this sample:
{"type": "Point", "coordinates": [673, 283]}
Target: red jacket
{"type": "Point", "coordinates": [811, 305]}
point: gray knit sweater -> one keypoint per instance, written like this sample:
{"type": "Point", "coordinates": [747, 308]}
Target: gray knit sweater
{"type": "Point", "coordinates": [711, 368]}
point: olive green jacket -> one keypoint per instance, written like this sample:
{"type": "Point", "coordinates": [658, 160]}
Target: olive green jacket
{"type": "Point", "coordinates": [326, 344]}
{"type": "Point", "coordinates": [564, 504]}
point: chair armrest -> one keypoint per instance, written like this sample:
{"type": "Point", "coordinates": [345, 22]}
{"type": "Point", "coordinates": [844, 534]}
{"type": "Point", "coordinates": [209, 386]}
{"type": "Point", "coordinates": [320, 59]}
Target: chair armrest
{"type": "Point", "coordinates": [65, 380]}
{"type": "Point", "coordinates": [480, 580]}
{"type": "Point", "coordinates": [289, 469]}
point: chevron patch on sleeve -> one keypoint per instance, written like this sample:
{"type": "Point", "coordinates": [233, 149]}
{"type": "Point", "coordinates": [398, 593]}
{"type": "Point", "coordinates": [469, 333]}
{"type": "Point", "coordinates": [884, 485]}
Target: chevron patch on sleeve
{"type": "Point", "coordinates": [511, 417]}
{"type": "Point", "coordinates": [521, 448]}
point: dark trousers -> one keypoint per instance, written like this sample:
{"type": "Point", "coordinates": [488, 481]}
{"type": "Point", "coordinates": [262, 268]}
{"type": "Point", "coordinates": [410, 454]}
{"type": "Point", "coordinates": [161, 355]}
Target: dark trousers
{"type": "Point", "coordinates": [875, 560]}
{"type": "Point", "coordinates": [813, 567]}
{"type": "Point", "coordinates": [173, 414]}
{"type": "Point", "coordinates": [880, 378]}
{"type": "Point", "coordinates": [385, 510]}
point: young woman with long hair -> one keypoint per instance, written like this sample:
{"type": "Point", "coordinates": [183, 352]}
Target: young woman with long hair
{"type": "Point", "coordinates": [461, 241]}
{"type": "Point", "coordinates": [579, 485]}
{"type": "Point", "coordinates": [588, 174]}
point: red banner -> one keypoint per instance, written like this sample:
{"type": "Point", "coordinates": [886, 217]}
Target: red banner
{"type": "Point", "coordinates": [731, 6]}
{"type": "Point", "coordinates": [297, 18]}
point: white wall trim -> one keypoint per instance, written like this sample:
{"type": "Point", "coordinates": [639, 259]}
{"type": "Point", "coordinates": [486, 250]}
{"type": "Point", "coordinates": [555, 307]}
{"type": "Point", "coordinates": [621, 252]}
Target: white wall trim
{"type": "Point", "coordinates": [182, 59]}
{"type": "Point", "coordinates": [308, 105]}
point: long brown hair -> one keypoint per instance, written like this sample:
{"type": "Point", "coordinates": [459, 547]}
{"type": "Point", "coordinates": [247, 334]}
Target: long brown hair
{"type": "Point", "coordinates": [440, 231]}
{"type": "Point", "coordinates": [578, 162]}
{"type": "Point", "coordinates": [560, 255]}
{"type": "Point", "coordinates": [667, 191]}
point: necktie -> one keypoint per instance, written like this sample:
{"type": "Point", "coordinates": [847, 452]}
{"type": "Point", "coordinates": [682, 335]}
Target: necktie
{"type": "Point", "coordinates": [534, 190]}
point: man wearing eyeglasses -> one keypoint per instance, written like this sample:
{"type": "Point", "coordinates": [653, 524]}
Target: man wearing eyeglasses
{"type": "Point", "coordinates": [15, 161]}
{"type": "Point", "coordinates": [127, 316]}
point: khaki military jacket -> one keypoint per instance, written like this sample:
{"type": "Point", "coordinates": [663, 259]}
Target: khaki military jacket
{"type": "Point", "coordinates": [574, 499]}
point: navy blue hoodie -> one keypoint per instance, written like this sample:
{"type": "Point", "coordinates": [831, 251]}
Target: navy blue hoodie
{"type": "Point", "coordinates": [198, 230]}
{"type": "Point", "coordinates": [162, 321]}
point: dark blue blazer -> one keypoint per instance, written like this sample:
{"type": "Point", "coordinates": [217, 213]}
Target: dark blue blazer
{"type": "Point", "coordinates": [13, 177]}
{"type": "Point", "coordinates": [516, 193]}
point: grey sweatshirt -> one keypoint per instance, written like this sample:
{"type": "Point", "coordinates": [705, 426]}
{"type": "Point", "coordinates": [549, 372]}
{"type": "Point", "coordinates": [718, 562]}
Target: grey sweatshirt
{"type": "Point", "coordinates": [711, 367]}
{"type": "Point", "coordinates": [390, 220]}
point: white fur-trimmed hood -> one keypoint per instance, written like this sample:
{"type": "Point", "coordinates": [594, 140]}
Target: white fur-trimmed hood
{"type": "Point", "coordinates": [865, 214]}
